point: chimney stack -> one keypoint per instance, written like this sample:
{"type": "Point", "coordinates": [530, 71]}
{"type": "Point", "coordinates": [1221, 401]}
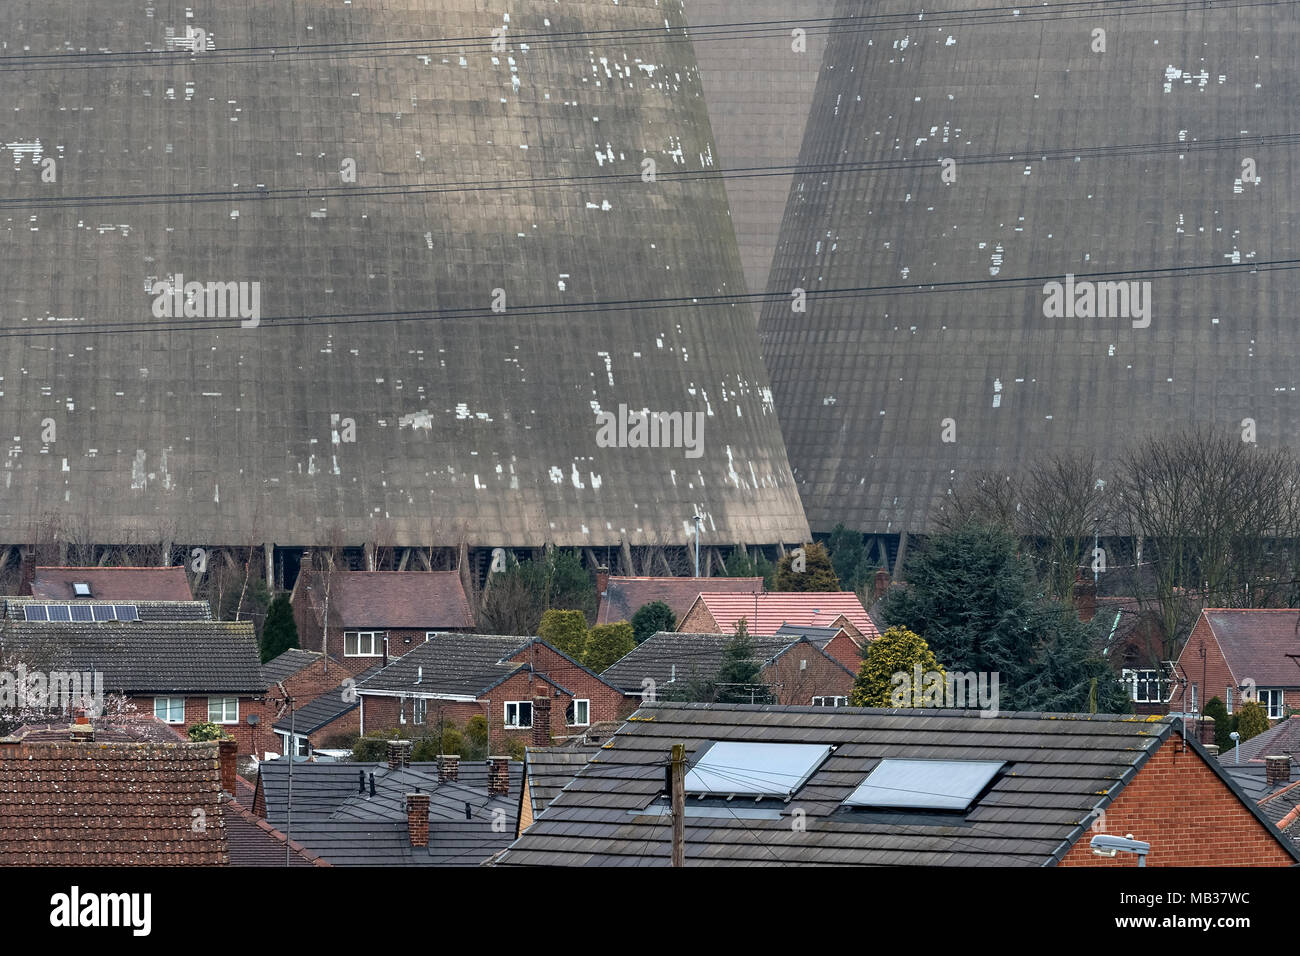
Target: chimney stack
{"type": "Point", "coordinates": [498, 776]}
{"type": "Point", "coordinates": [1277, 770]}
{"type": "Point", "coordinates": [448, 767]}
{"type": "Point", "coordinates": [1207, 730]}
{"type": "Point", "coordinates": [228, 749]}
{"type": "Point", "coordinates": [602, 581]}
{"type": "Point", "coordinates": [399, 754]}
{"type": "Point", "coordinates": [82, 730]}
{"type": "Point", "coordinates": [26, 571]}
{"type": "Point", "coordinates": [880, 586]}
{"type": "Point", "coordinates": [541, 721]}
{"type": "Point", "coordinates": [417, 818]}
{"type": "Point", "coordinates": [1085, 597]}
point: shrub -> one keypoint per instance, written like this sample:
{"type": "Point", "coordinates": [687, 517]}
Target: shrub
{"type": "Point", "coordinates": [208, 731]}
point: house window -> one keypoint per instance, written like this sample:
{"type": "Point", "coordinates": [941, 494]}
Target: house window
{"type": "Point", "coordinates": [223, 710]}
{"type": "Point", "coordinates": [170, 710]}
{"type": "Point", "coordinates": [830, 701]}
{"type": "Point", "coordinates": [1195, 695]}
{"type": "Point", "coordinates": [304, 745]}
{"type": "Point", "coordinates": [1228, 702]}
{"type": "Point", "coordinates": [419, 710]}
{"type": "Point", "coordinates": [578, 713]}
{"type": "Point", "coordinates": [362, 643]}
{"type": "Point", "coordinates": [1144, 686]}
{"type": "Point", "coordinates": [519, 714]}
{"type": "Point", "coordinates": [1271, 701]}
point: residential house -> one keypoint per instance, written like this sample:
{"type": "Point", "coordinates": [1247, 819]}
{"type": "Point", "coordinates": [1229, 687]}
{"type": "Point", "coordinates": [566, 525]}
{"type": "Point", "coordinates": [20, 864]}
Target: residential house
{"type": "Point", "coordinates": [105, 584]}
{"type": "Point", "coordinates": [1272, 782]}
{"type": "Point", "coordinates": [311, 697]}
{"type": "Point", "coordinates": [835, 641]}
{"type": "Point", "coordinates": [183, 672]}
{"type": "Point", "coordinates": [795, 669]}
{"type": "Point", "coordinates": [621, 597]}
{"type": "Point", "coordinates": [764, 614]}
{"type": "Point", "coordinates": [547, 771]}
{"type": "Point", "coordinates": [514, 682]}
{"type": "Point", "coordinates": [73, 610]}
{"type": "Point", "coordinates": [375, 616]}
{"type": "Point", "coordinates": [781, 786]}
{"type": "Point", "coordinates": [1235, 653]}
{"type": "Point", "coordinates": [450, 813]}
{"type": "Point", "coordinates": [327, 720]}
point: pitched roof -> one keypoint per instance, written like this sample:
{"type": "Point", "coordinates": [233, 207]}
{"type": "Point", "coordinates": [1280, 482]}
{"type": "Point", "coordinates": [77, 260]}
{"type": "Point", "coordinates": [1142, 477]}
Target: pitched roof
{"type": "Point", "coordinates": [254, 842]}
{"type": "Point", "coordinates": [336, 819]}
{"type": "Point", "coordinates": [110, 804]}
{"type": "Point", "coordinates": [457, 664]}
{"type": "Point", "coordinates": [670, 656]}
{"type": "Point", "coordinates": [624, 596]}
{"type": "Point", "coordinates": [550, 769]}
{"type": "Point", "coordinates": [821, 636]}
{"type": "Point", "coordinates": [139, 728]}
{"type": "Point", "coordinates": [289, 663]}
{"type": "Point", "coordinates": [417, 600]}
{"type": "Point", "coordinates": [1282, 738]}
{"type": "Point", "coordinates": [324, 709]}
{"type": "Point", "coordinates": [194, 657]}
{"type": "Point", "coordinates": [767, 612]}
{"type": "Point", "coordinates": [1256, 643]}
{"type": "Point", "coordinates": [147, 611]}
{"type": "Point", "coordinates": [113, 584]}
{"type": "Point", "coordinates": [1059, 769]}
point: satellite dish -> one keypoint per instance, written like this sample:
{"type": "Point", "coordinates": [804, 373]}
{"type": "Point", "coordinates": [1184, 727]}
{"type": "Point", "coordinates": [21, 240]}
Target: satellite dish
{"type": "Point", "coordinates": [254, 720]}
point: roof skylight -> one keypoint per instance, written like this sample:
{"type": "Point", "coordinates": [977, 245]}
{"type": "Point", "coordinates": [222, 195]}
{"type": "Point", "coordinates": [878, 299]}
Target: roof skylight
{"type": "Point", "coordinates": [924, 784]}
{"type": "Point", "coordinates": [754, 769]}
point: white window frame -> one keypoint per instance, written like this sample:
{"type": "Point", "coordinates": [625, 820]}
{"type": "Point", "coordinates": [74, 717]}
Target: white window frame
{"type": "Point", "coordinates": [171, 701]}
{"type": "Point", "coordinates": [1273, 706]}
{"type": "Point", "coordinates": [518, 706]}
{"type": "Point", "coordinates": [303, 744]}
{"type": "Point", "coordinates": [1195, 699]}
{"type": "Point", "coordinates": [1228, 703]}
{"type": "Point", "coordinates": [835, 701]}
{"type": "Point", "coordinates": [586, 702]}
{"type": "Point", "coordinates": [376, 637]}
{"type": "Point", "coordinates": [223, 702]}
{"type": "Point", "coordinates": [1135, 678]}
{"type": "Point", "coordinates": [419, 711]}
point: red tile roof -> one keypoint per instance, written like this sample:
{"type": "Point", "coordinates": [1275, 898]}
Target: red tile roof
{"type": "Point", "coordinates": [419, 600]}
{"type": "Point", "coordinates": [1257, 642]}
{"type": "Point", "coordinates": [114, 584]}
{"type": "Point", "coordinates": [624, 596]}
{"type": "Point", "coordinates": [765, 613]}
{"type": "Point", "coordinates": [141, 728]}
{"type": "Point", "coordinates": [120, 804]}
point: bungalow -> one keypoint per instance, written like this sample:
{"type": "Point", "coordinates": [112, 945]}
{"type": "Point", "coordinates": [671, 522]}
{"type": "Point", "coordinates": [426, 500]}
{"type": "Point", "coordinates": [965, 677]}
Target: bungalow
{"type": "Point", "coordinates": [764, 614]}
{"type": "Point", "coordinates": [183, 672]}
{"type": "Point", "coordinates": [780, 786]}
{"type": "Point", "coordinates": [375, 616]}
{"type": "Point", "coordinates": [621, 597]}
{"type": "Point", "coordinates": [516, 683]}
{"type": "Point", "coordinates": [1238, 654]}
{"type": "Point", "coordinates": [795, 669]}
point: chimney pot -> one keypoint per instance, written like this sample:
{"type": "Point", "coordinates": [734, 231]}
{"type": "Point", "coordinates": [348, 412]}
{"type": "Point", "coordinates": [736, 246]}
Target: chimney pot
{"type": "Point", "coordinates": [399, 754]}
{"type": "Point", "coordinates": [602, 580]}
{"type": "Point", "coordinates": [417, 818]}
{"type": "Point", "coordinates": [448, 767]}
{"type": "Point", "coordinates": [541, 721]}
{"type": "Point", "coordinates": [498, 776]}
{"type": "Point", "coordinates": [881, 584]}
{"type": "Point", "coordinates": [1277, 770]}
{"type": "Point", "coordinates": [227, 750]}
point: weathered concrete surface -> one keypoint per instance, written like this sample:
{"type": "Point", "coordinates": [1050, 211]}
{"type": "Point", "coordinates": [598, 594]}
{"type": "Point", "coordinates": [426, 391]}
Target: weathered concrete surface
{"type": "Point", "coordinates": [477, 425]}
{"type": "Point", "coordinates": [863, 383]}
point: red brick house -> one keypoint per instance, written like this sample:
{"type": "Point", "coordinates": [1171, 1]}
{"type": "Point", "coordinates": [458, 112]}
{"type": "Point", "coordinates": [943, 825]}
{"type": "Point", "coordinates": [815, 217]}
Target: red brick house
{"type": "Point", "coordinates": [795, 669]}
{"type": "Point", "coordinates": [107, 584]}
{"type": "Point", "coordinates": [766, 613]}
{"type": "Point", "coordinates": [835, 641]}
{"type": "Point", "coordinates": [322, 695]}
{"type": "Point", "coordinates": [1234, 654]}
{"type": "Point", "coordinates": [621, 597]}
{"type": "Point", "coordinates": [514, 682]}
{"type": "Point", "coordinates": [375, 616]}
{"type": "Point", "coordinates": [182, 672]}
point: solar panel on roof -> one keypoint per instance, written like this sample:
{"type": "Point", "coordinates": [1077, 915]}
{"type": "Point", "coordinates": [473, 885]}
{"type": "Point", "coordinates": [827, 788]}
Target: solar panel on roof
{"type": "Point", "coordinates": [754, 769]}
{"type": "Point", "coordinates": [35, 612]}
{"type": "Point", "coordinates": [59, 612]}
{"type": "Point", "coordinates": [924, 784]}
{"type": "Point", "coordinates": [103, 612]}
{"type": "Point", "coordinates": [82, 612]}
{"type": "Point", "coordinates": [126, 612]}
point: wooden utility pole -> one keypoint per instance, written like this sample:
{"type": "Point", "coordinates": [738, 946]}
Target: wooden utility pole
{"type": "Point", "coordinates": [679, 804]}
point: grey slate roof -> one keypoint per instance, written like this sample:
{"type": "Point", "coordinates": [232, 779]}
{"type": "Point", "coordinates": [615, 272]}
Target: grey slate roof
{"type": "Point", "coordinates": [821, 636]}
{"type": "Point", "coordinates": [324, 708]}
{"type": "Point", "coordinates": [451, 663]}
{"type": "Point", "coordinates": [1060, 768]}
{"type": "Point", "coordinates": [677, 656]}
{"type": "Point", "coordinates": [350, 828]}
{"type": "Point", "coordinates": [188, 657]}
{"type": "Point", "coordinates": [149, 611]}
{"type": "Point", "coordinates": [550, 769]}
{"type": "Point", "coordinates": [288, 664]}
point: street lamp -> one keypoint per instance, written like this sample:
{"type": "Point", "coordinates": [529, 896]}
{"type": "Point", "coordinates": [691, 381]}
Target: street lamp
{"type": "Point", "coordinates": [698, 519]}
{"type": "Point", "coordinates": [1103, 844]}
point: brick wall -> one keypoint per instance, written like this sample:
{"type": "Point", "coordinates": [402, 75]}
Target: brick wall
{"type": "Point", "coordinates": [844, 649]}
{"type": "Point", "coordinates": [698, 620]}
{"type": "Point", "coordinates": [797, 685]}
{"type": "Point", "coordinates": [607, 703]}
{"type": "Point", "coordinates": [1187, 814]}
{"type": "Point", "coordinates": [250, 739]}
{"type": "Point", "coordinates": [1211, 676]}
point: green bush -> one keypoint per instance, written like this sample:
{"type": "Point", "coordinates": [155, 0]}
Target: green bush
{"type": "Point", "coordinates": [565, 631]}
{"type": "Point", "coordinates": [607, 643]}
{"type": "Point", "coordinates": [208, 731]}
{"type": "Point", "coordinates": [1251, 720]}
{"type": "Point", "coordinates": [476, 732]}
{"type": "Point", "coordinates": [897, 650]}
{"type": "Point", "coordinates": [1224, 724]}
{"type": "Point", "coordinates": [652, 618]}
{"type": "Point", "coordinates": [373, 747]}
